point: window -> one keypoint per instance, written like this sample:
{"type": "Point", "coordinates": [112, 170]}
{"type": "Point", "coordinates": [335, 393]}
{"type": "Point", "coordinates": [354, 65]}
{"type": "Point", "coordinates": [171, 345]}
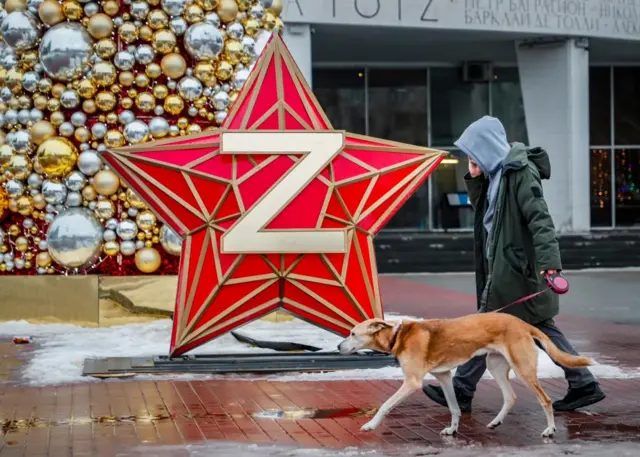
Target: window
{"type": "Point", "coordinates": [600, 187]}
{"type": "Point", "coordinates": [626, 82]}
{"type": "Point", "coordinates": [600, 106]}
{"type": "Point", "coordinates": [454, 104]}
{"type": "Point", "coordinates": [627, 169]}
{"type": "Point", "coordinates": [507, 104]}
{"type": "Point", "coordinates": [448, 180]}
{"type": "Point", "coordinates": [341, 94]}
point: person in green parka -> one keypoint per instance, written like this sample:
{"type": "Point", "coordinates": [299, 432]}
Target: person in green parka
{"type": "Point", "coordinates": [515, 245]}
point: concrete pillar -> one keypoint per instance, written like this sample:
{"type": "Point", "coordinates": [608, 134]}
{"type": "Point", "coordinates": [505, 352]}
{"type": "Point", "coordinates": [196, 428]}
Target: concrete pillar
{"type": "Point", "coordinates": [555, 86]}
{"type": "Point", "coordinates": [297, 37]}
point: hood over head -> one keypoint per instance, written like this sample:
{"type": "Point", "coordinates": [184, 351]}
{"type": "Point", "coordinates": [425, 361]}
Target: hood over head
{"type": "Point", "coordinates": [485, 142]}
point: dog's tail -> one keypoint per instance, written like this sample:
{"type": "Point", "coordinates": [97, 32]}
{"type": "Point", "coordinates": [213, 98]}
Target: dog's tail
{"type": "Point", "coordinates": [563, 358]}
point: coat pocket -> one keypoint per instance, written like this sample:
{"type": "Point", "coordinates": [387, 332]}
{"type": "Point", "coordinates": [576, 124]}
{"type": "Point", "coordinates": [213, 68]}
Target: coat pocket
{"type": "Point", "coordinates": [517, 260]}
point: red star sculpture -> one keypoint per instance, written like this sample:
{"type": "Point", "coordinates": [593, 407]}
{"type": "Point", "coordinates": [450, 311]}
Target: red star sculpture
{"type": "Point", "coordinates": [277, 210]}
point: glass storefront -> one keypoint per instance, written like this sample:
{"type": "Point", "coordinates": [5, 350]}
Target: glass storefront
{"type": "Point", "coordinates": [430, 107]}
{"type": "Point", "coordinates": [615, 151]}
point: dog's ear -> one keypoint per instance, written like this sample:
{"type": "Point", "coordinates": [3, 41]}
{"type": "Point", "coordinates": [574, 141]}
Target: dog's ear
{"type": "Point", "coordinates": [378, 325]}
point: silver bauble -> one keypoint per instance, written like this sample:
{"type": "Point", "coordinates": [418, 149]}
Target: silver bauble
{"type": "Point", "coordinates": [203, 41]}
{"type": "Point", "coordinates": [111, 224]}
{"type": "Point", "coordinates": [78, 119]}
{"type": "Point", "coordinates": [109, 235]}
{"type": "Point", "coordinates": [170, 240]}
{"type": "Point", "coordinates": [240, 77]}
{"type": "Point", "coordinates": [190, 88]}
{"type": "Point", "coordinates": [127, 229]}
{"type": "Point", "coordinates": [178, 26]}
{"type": "Point", "coordinates": [89, 162]}
{"type": "Point", "coordinates": [213, 18]}
{"type": "Point", "coordinates": [144, 54]}
{"type": "Point", "coordinates": [128, 248]}
{"type": "Point", "coordinates": [14, 188]}
{"type": "Point", "coordinates": [235, 30]}
{"type": "Point", "coordinates": [136, 132]}
{"type": "Point", "coordinates": [221, 100]}
{"type": "Point", "coordinates": [173, 7]}
{"type": "Point", "coordinates": [65, 50]}
{"type": "Point", "coordinates": [30, 81]}
{"type": "Point", "coordinates": [75, 181]}
{"type": "Point", "coordinates": [124, 60]}
{"type": "Point", "coordinates": [99, 130]}
{"type": "Point", "coordinates": [54, 192]}
{"type": "Point", "coordinates": [34, 180]}
{"type": "Point", "coordinates": [20, 30]}
{"type": "Point", "coordinates": [73, 199]}
{"type": "Point", "coordinates": [75, 238]}
{"type": "Point", "coordinates": [126, 116]}
{"type": "Point", "coordinates": [220, 116]}
{"type": "Point", "coordinates": [139, 9]}
{"type": "Point", "coordinates": [69, 99]}
{"type": "Point", "coordinates": [159, 127]}
{"type": "Point", "coordinates": [21, 142]}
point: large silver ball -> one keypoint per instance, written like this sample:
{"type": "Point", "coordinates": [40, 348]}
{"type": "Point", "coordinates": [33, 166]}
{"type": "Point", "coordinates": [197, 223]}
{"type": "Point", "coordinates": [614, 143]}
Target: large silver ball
{"type": "Point", "coordinates": [54, 192]}
{"type": "Point", "coordinates": [65, 50]}
{"type": "Point", "coordinates": [136, 132]}
{"type": "Point", "coordinates": [170, 240]}
{"type": "Point", "coordinates": [75, 238]}
{"type": "Point", "coordinates": [190, 88]}
{"type": "Point", "coordinates": [127, 229]}
{"type": "Point", "coordinates": [203, 41]}
{"type": "Point", "coordinates": [89, 162]}
{"type": "Point", "coordinates": [20, 30]}
{"type": "Point", "coordinates": [159, 127]}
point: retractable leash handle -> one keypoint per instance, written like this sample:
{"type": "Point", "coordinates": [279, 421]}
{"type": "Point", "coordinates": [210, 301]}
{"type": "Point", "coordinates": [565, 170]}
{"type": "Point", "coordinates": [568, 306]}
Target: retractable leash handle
{"type": "Point", "coordinates": [557, 283]}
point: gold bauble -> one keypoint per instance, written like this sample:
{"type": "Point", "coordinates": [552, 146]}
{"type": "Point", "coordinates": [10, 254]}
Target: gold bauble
{"type": "Point", "coordinates": [110, 118]}
{"type": "Point", "coordinates": [14, 230]}
{"type": "Point", "coordinates": [45, 85]}
{"type": "Point", "coordinates": [39, 202]}
{"type": "Point", "coordinates": [82, 134]}
{"type": "Point", "coordinates": [100, 26]}
{"type": "Point", "coordinates": [41, 131]}
{"type": "Point", "coordinates": [224, 70]}
{"type": "Point", "coordinates": [43, 259]}
{"type": "Point", "coordinates": [227, 10]}
{"type": "Point", "coordinates": [128, 32]}
{"type": "Point", "coordinates": [146, 220]}
{"type": "Point", "coordinates": [57, 118]}
{"type": "Point", "coordinates": [126, 78]}
{"type": "Point", "coordinates": [276, 7]}
{"type": "Point", "coordinates": [111, 248]}
{"type": "Point", "coordinates": [3, 138]}
{"type": "Point", "coordinates": [233, 51]}
{"type": "Point", "coordinates": [193, 128]}
{"type": "Point", "coordinates": [244, 5]}
{"type": "Point", "coordinates": [13, 205]}
{"type": "Point", "coordinates": [50, 12]}
{"type": "Point", "coordinates": [58, 89]}
{"type": "Point", "coordinates": [89, 193]}
{"type": "Point", "coordinates": [209, 5]}
{"type": "Point", "coordinates": [89, 106]}
{"type": "Point", "coordinates": [103, 74]}
{"type": "Point", "coordinates": [4, 203]}
{"type": "Point", "coordinates": [105, 209]}
{"type": "Point", "coordinates": [145, 102]}
{"type": "Point", "coordinates": [146, 33]}
{"type": "Point", "coordinates": [126, 102]}
{"type": "Point", "coordinates": [24, 205]}
{"type": "Point", "coordinates": [269, 21]}
{"type": "Point", "coordinates": [193, 13]}
{"type": "Point", "coordinates": [40, 102]}
{"type": "Point", "coordinates": [38, 168]}
{"type": "Point", "coordinates": [15, 5]}
{"type": "Point", "coordinates": [157, 19]}
{"type": "Point", "coordinates": [6, 152]}
{"type": "Point", "coordinates": [182, 123]}
{"type": "Point", "coordinates": [114, 139]}
{"type": "Point", "coordinates": [233, 96]}
{"type": "Point", "coordinates": [28, 59]}
{"type": "Point", "coordinates": [105, 101]}
{"type": "Point", "coordinates": [148, 260]}
{"type": "Point", "coordinates": [86, 88]}
{"type": "Point", "coordinates": [106, 182]}
{"type": "Point", "coordinates": [251, 26]}
{"type": "Point", "coordinates": [22, 244]}
{"type": "Point", "coordinates": [13, 80]}
{"type": "Point", "coordinates": [173, 65]}
{"type": "Point", "coordinates": [106, 48]}
{"type": "Point", "coordinates": [142, 80]}
{"type": "Point", "coordinates": [111, 7]}
{"type": "Point", "coordinates": [164, 41]}
{"type": "Point", "coordinates": [72, 9]}
{"type": "Point", "coordinates": [205, 72]}
{"type": "Point", "coordinates": [19, 166]}
{"type": "Point", "coordinates": [134, 200]}
{"type": "Point", "coordinates": [153, 70]}
{"type": "Point", "coordinates": [173, 104]}
{"type": "Point", "coordinates": [160, 91]}
{"type": "Point", "coordinates": [57, 156]}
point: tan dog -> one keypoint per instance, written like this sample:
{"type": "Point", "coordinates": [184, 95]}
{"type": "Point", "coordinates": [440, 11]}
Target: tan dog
{"type": "Point", "coordinates": [438, 346]}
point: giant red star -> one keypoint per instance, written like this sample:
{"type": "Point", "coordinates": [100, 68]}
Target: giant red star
{"type": "Point", "coordinates": [280, 219]}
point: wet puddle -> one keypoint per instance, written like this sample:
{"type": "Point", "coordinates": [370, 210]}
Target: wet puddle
{"type": "Point", "coordinates": [315, 413]}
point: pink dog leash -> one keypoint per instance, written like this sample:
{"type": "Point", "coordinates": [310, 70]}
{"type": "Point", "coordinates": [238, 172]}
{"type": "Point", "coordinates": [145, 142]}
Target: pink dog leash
{"type": "Point", "coordinates": [556, 282]}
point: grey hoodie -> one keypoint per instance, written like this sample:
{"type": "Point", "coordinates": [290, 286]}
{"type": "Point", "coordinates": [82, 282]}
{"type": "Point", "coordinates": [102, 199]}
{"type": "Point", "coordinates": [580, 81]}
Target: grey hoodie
{"type": "Point", "coordinates": [485, 142]}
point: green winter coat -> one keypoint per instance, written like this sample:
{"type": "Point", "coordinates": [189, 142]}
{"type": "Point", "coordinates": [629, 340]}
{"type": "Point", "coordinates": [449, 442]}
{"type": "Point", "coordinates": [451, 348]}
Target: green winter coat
{"type": "Point", "coordinates": [523, 241]}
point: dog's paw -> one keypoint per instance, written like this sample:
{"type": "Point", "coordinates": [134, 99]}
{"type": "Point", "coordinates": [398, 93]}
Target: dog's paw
{"type": "Point", "coordinates": [449, 431]}
{"type": "Point", "coordinates": [368, 426]}
{"type": "Point", "coordinates": [494, 424]}
{"type": "Point", "coordinates": [549, 432]}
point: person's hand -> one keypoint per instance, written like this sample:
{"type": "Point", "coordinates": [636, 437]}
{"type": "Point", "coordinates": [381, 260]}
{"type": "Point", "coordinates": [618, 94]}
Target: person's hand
{"type": "Point", "coordinates": [548, 272]}
{"type": "Point", "coordinates": [474, 169]}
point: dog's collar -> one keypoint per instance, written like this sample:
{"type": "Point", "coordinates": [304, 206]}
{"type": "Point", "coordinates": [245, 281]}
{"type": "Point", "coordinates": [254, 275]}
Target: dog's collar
{"type": "Point", "coordinates": [392, 343]}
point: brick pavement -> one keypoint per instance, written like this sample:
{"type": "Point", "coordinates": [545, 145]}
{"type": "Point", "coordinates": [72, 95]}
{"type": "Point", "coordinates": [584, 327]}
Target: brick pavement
{"type": "Point", "coordinates": [103, 418]}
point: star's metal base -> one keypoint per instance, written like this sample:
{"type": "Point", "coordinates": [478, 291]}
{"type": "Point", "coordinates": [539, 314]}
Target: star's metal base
{"type": "Point", "coordinates": [234, 363]}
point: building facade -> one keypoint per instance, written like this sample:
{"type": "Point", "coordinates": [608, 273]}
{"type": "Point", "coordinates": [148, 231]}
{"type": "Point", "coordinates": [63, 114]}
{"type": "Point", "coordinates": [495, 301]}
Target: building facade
{"type": "Point", "coordinates": [561, 74]}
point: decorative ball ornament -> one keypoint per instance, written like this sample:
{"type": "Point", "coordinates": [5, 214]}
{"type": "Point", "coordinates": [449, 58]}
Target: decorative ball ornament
{"type": "Point", "coordinates": [57, 156]}
{"type": "Point", "coordinates": [148, 260]}
{"type": "Point", "coordinates": [106, 182]}
{"type": "Point", "coordinates": [65, 50]}
{"type": "Point", "coordinates": [75, 238]}
{"type": "Point", "coordinates": [170, 241]}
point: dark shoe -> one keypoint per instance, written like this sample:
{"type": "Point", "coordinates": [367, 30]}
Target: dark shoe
{"type": "Point", "coordinates": [436, 394]}
{"type": "Point", "coordinates": [579, 398]}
